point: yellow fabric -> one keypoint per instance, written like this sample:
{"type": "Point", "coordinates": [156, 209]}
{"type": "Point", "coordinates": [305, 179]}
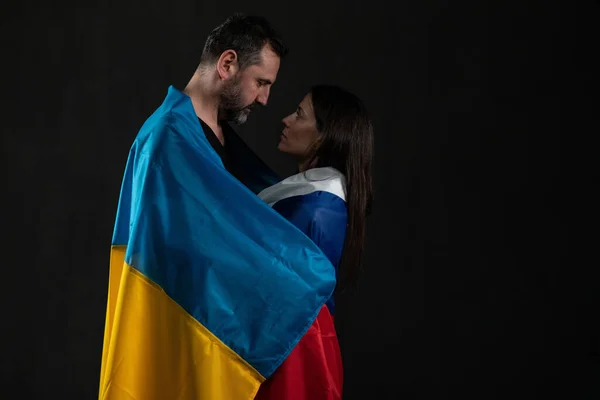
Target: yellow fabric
{"type": "Point", "coordinates": [153, 349]}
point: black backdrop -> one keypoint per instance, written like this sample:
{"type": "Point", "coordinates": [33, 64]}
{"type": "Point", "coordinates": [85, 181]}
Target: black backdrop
{"type": "Point", "coordinates": [465, 294]}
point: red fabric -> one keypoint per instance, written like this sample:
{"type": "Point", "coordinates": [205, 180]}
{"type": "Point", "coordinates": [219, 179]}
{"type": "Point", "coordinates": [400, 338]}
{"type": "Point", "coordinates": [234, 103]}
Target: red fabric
{"type": "Point", "coordinates": [313, 370]}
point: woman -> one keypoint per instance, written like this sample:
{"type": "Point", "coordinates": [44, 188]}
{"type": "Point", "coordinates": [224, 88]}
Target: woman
{"type": "Point", "coordinates": [331, 136]}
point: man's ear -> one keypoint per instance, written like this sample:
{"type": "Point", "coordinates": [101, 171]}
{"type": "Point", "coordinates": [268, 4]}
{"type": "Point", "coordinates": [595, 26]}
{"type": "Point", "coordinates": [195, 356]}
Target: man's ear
{"type": "Point", "coordinates": [227, 65]}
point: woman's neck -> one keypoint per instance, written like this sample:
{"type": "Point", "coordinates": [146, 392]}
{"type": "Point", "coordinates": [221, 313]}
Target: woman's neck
{"type": "Point", "coordinates": [304, 166]}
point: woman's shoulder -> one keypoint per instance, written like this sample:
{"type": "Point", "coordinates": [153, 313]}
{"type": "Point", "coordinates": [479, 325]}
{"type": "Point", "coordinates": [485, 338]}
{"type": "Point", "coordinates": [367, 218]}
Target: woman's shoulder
{"type": "Point", "coordinates": [313, 185]}
{"type": "Point", "coordinates": [317, 212]}
{"type": "Point", "coordinates": [317, 203]}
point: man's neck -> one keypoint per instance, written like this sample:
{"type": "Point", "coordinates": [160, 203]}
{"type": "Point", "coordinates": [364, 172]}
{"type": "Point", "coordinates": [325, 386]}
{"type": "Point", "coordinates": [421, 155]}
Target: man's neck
{"type": "Point", "coordinates": [205, 101]}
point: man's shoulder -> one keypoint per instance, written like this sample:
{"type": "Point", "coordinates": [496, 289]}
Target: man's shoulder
{"type": "Point", "coordinates": [164, 132]}
{"type": "Point", "coordinates": [167, 122]}
{"type": "Point", "coordinates": [175, 114]}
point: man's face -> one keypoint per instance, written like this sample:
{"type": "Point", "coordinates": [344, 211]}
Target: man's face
{"type": "Point", "coordinates": [249, 87]}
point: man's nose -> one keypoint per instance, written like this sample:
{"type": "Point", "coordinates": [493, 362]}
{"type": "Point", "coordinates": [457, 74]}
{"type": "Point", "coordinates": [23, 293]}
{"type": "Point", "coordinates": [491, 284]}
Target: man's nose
{"type": "Point", "coordinates": [263, 96]}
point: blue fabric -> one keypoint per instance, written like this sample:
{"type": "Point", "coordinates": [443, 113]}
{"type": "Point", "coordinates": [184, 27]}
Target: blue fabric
{"type": "Point", "coordinates": [242, 270]}
{"type": "Point", "coordinates": [323, 217]}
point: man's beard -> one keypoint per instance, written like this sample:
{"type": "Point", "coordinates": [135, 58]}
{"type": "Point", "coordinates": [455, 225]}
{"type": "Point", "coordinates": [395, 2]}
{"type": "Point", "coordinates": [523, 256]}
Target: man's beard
{"type": "Point", "coordinates": [231, 107]}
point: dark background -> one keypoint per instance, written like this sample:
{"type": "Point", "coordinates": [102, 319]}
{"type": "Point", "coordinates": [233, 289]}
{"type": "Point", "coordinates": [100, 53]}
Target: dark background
{"type": "Point", "coordinates": [469, 289]}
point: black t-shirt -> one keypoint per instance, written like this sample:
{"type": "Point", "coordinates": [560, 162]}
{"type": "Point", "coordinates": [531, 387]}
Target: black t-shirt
{"type": "Point", "coordinates": [216, 144]}
{"type": "Point", "coordinates": [239, 160]}
{"type": "Point", "coordinates": [222, 150]}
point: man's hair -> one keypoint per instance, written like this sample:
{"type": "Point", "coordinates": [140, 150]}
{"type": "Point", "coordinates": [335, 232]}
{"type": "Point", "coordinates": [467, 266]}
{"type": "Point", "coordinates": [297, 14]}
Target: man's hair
{"type": "Point", "coordinates": [246, 35]}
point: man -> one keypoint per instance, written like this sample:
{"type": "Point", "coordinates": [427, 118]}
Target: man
{"type": "Point", "coordinates": [209, 289]}
{"type": "Point", "coordinates": [238, 67]}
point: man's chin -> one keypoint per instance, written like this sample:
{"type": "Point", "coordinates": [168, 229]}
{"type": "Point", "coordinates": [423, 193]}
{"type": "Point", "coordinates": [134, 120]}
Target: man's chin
{"type": "Point", "coordinates": [241, 117]}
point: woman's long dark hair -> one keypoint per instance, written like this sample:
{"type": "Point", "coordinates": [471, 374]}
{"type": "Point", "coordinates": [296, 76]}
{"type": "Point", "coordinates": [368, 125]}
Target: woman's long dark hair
{"type": "Point", "coordinates": [346, 144]}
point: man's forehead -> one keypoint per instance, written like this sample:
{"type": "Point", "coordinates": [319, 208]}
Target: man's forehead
{"type": "Point", "coordinates": [268, 67]}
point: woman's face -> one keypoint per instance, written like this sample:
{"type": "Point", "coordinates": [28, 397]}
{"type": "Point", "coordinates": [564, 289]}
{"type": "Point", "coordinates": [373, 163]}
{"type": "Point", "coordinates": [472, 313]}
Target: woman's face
{"type": "Point", "coordinates": [300, 130]}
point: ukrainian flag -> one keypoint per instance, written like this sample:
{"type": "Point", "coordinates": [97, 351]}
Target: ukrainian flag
{"type": "Point", "coordinates": [210, 288]}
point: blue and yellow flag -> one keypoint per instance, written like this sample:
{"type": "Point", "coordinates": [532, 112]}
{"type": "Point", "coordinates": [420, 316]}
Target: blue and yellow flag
{"type": "Point", "coordinates": [210, 288]}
